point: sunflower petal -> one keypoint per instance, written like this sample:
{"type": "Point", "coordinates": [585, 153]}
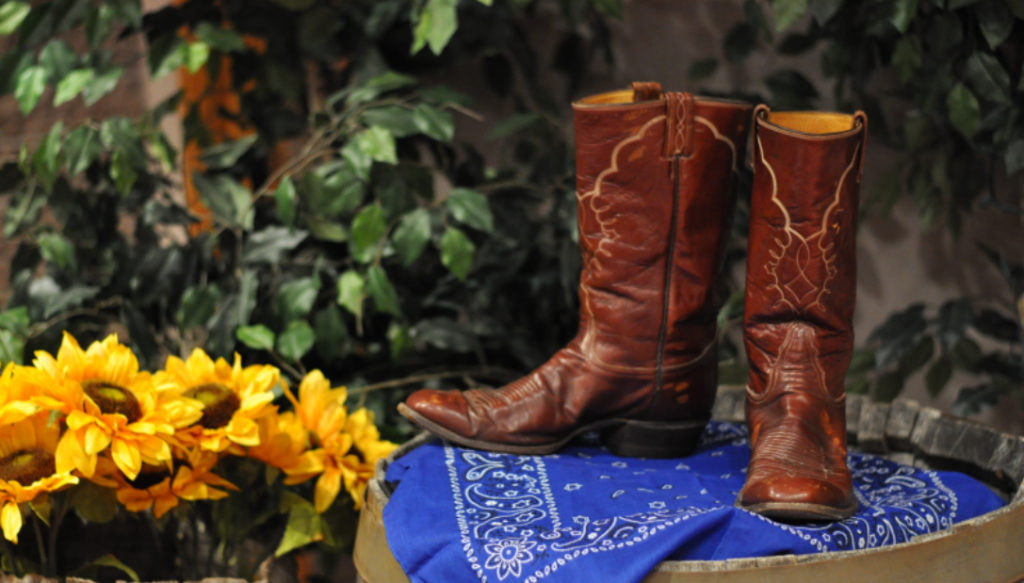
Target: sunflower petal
{"type": "Point", "coordinates": [11, 518]}
{"type": "Point", "coordinates": [327, 488]}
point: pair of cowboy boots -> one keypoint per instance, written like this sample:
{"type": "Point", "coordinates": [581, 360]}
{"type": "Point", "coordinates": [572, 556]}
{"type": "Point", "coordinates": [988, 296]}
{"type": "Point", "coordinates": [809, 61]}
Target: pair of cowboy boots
{"type": "Point", "coordinates": [656, 177]}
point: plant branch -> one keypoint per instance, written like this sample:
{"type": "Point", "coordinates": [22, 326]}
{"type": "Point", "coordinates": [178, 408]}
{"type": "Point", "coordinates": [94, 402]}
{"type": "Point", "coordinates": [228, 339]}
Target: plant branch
{"type": "Point", "coordinates": [496, 372]}
{"type": "Point", "coordinates": [39, 328]}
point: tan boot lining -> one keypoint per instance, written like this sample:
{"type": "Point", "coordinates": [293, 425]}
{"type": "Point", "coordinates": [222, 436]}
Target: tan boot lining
{"type": "Point", "coordinates": [812, 122]}
{"type": "Point", "coordinates": [626, 97]}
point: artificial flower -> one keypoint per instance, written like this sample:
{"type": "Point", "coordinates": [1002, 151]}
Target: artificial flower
{"type": "Point", "coordinates": [284, 444]}
{"type": "Point", "coordinates": [27, 468]}
{"type": "Point", "coordinates": [16, 394]}
{"type": "Point", "coordinates": [107, 401]}
{"type": "Point", "coordinates": [192, 479]}
{"type": "Point", "coordinates": [234, 398]}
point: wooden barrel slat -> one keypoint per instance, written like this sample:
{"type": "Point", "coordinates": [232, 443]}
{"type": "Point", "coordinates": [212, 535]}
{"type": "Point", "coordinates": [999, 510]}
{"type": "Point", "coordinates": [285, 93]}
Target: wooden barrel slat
{"type": "Point", "coordinates": [986, 549]}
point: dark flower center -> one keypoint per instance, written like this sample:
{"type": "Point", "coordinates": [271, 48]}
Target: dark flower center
{"type": "Point", "coordinates": [27, 466]}
{"type": "Point", "coordinates": [220, 402]}
{"type": "Point", "coordinates": [112, 398]}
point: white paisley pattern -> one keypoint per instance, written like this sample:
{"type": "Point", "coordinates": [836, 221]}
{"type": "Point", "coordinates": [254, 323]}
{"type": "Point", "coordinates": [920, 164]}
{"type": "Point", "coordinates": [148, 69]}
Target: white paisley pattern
{"type": "Point", "coordinates": [508, 516]}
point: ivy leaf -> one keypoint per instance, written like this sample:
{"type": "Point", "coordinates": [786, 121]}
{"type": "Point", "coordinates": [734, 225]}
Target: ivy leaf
{"type": "Point", "coordinates": [98, 25]}
{"type": "Point", "coordinates": [434, 123]}
{"type": "Point", "coordinates": [1014, 157]}
{"type": "Point", "coordinates": [512, 125]}
{"type": "Point", "coordinates": [303, 521]}
{"type": "Point", "coordinates": [964, 111]}
{"type": "Point", "coordinates": [257, 337]}
{"type": "Point", "coordinates": [70, 86]}
{"type": "Point", "coordinates": [81, 149]}
{"type": "Point", "coordinates": [57, 59]}
{"type": "Point", "coordinates": [101, 84]}
{"type": "Point", "coordinates": [888, 387]}
{"type": "Point", "coordinates": [740, 41]}
{"type": "Point", "coordinates": [12, 348]}
{"type": "Point", "coordinates": [267, 246]}
{"type": "Point", "coordinates": [331, 333]}
{"type": "Point", "coordinates": [296, 298]}
{"type": "Point", "coordinates": [995, 21]}
{"type": "Point", "coordinates": [903, 14]}
{"type": "Point", "coordinates": [445, 334]}
{"type": "Point", "coordinates": [122, 172]}
{"type": "Point", "coordinates": [472, 208]}
{"type": "Point", "coordinates": [787, 12]}
{"type": "Point", "coordinates": [15, 320]}
{"type": "Point", "coordinates": [378, 144]}
{"type": "Point", "coordinates": [703, 69]}
{"type": "Point", "coordinates": [457, 252]}
{"type": "Point", "coordinates": [351, 288]}
{"type": "Point", "coordinates": [988, 78]}
{"type": "Point", "coordinates": [93, 502]}
{"type": "Point", "coordinates": [12, 14]}
{"type": "Point", "coordinates": [938, 376]}
{"type": "Point", "coordinates": [29, 88]}
{"type": "Point", "coordinates": [394, 118]}
{"type": "Point", "coordinates": [437, 23]}
{"type": "Point", "coordinates": [974, 400]}
{"type": "Point", "coordinates": [248, 286]}
{"type": "Point", "coordinates": [198, 305]}
{"type": "Point", "coordinates": [791, 90]}
{"type": "Point", "coordinates": [824, 10]}
{"type": "Point", "coordinates": [907, 57]}
{"type": "Point", "coordinates": [196, 55]}
{"type": "Point", "coordinates": [411, 236]}
{"type": "Point", "coordinates": [47, 157]}
{"type": "Point", "coordinates": [285, 196]}
{"type": "Point", "coordinates": [166, 54]}
{"type": "Point", "coordinates": [226, 198]}
{"type": "Point", "coordinates": [58, 250]}
{"type": "Point", "coordinates": [222, 39]}
{"type": "Point", "coordinates": [383, 293]}
{"type": "Point", "coordinates": [225, 155]}
{"type": "Point", "coordinates": [367, 230]}
{"type": "Point", "coordinates": [296, 340]}
{"type": "Point", "coordinates": [326, 230]}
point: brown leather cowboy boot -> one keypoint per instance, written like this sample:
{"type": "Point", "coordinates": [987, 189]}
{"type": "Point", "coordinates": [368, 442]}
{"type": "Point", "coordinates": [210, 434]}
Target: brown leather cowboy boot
{"type": "Point", "coordinates": [655, 188]}
{"type": "Point", "coordinates": [798, 323]}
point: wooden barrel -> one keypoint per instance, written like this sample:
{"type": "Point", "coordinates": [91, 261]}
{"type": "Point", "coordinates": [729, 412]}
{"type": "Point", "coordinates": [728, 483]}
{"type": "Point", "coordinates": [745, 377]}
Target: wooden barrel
{"type": "Point", "coordinates": [987, 549]}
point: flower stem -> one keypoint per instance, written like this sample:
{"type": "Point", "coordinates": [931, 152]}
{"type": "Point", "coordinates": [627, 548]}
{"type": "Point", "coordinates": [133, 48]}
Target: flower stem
{"type": "Point", "coordinates": [39, 539]}
{"type": "Point", "coordinates": [11, 559]}
{"type": "Point", "coordinates": [61, 507]}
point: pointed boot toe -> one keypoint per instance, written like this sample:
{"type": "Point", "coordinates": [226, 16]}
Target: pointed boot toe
{"type": "Point", "coordinates": [797, 498]}
{"type": "Point", "coordinates": [444, 413]}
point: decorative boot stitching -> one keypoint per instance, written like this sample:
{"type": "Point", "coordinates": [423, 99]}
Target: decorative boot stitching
{"type": "Point", "coordinates": [679, 125]}
{"type": "Point", "coordinates": [795, 332]}
{"type": "Point", "coordinates": [801, 287]}
{"type": "Point", "coordinates": [720, 137]}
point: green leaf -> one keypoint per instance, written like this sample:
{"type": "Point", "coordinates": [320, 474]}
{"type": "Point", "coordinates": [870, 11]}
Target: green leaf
{"type": "Point", "coordinates": [791, 90]}
{"type": "Point", "coordinates": [29, 88]}
{"type": "Point", "coordinates": [270, 244]}
{"type": "Point", "coordinates": [70, 86]}
{"type": "Point", "coordinates": [457, 252]}
{"type": "Point", "coordinates": [225, 155]}
{"type": "Point", "coordinates": [196, 55]}
{"type": "Point", "coordinates": [437, 23]}
{"type": "Point", "coordinates": [966, 353]}
{"type": "Point", "coordinates": [888, 387]}
{"type": "Point", "coordinates": [127, 11]}
{"type": "Point", "coordinates": [166, 54]}
{"type": "Point", "coordinates": [122, 172]}
{"type": "Point", "coordinates": [112, 561]}
{"type": "Point", "coordinates": [296, 340]}
{"type": "Point", "coordinates": [964, 111]}
{"type": "Point", "coordinates": [702, 69]}
{"type": "Point", "coordinates": [918, 356]}
{"type": "Point", "coordinates": [472, 208]}
{"type": "Point", "coordinates": [248, 286]}
{"type": "Point", "coordinates": [101, 84]}
{"type": "Point", "coordinates": [257, 337]}
{"type": "Point", "coordinates": [974, 400]}
{"type": "Point", "coordinates": [161, 149]}
{"type": "Point", "coordinates": [445, 334]}
{"type": "Point", "coordinates": [303, 524]}
{"type": "Point", "coordinates": [434, 123]}
{"type": "Point", "coordinates": [15, 320]}
{"type": "Point", "coordinates": [824, 10]}
{"type": "Point", "coordinates": [222, 39]}
{"type": "Point", "coordinates": [995, 21]}
{"type": "Point", "coordinates": [222, 328]}
{"type": "Point", "coordinates": [938, 376]}
{"type": "Point", "coordinates": [787, 12]}
{"type": "Point", "coordinates": [284, 196]}
{"type": "Point", "coordinates": [378, 144]}
{"type": "Point", "coordinates": [907, 57]}
{"type": "Point", "coordinates": [331, 333]}
{"type": "Point", "coordinates": [12, 348]}
{"type": "Point", "coordinates": [1014, 157]}
{"type": "Point", "coordinates": [383, 293]}
{"type": "Point", "coordinates": [367, 230]}
{"type": "Point", "coordinates": [98, 25]}
{"type": "Point", "coordinates": [12, 14]}
{"type": "Point", "coordinates": [93, 502]}
{"type": "Point", "coordinates": [198, 305]}
{"type": "Point", "coordinates": [326, 230]}
{"type": "Point", "coordinates": [351, 289]}
{"type": "Point", "coordinates": [988, 78]}
{"type": "Point", "coordinates": [740, 41]}
{"type": "Point", "coordinates": [400, 340]}
{"type": "Point", "coordinates": [69, 298]}
{"type": "Point", "coordinates": [57, 59]}
{"type": "Point", "coordinates": [81, 149]}
{"type": "Point", "coordinates": [296, 298]}
{"type": "Point", "coordinates": [898, 334]}
{"type": "Point", "coordinates": [47, 157]}
{"type": "Point", "coordinates": [512, 125]}
{"type": "Point", "coordinates": [58, 250]}
{"type": "Point", "coordinates": [796, 44]}
{"type": "Point", "coordinates": [411, 236]}
{"type": "Point", "coordinates": [903, 14]}
{"type": "Point", "coordinates": [226, 198]}
{"type": "Point", "coordinates": [394, 118]}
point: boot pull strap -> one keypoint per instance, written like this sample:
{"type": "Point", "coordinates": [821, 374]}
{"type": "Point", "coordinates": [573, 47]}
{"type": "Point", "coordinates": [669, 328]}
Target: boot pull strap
{"type": "Point", "coordinates": [760, 112]}
{"type": "Point", "coordinates": [861, 118]}
{"type": "Point", "coordinates": [679, 124]}
{"type": "Point", "coordinates": [646, 91]}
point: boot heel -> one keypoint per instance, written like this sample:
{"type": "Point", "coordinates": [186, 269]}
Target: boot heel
{"type": "Point", "coordinates": [654, 439]}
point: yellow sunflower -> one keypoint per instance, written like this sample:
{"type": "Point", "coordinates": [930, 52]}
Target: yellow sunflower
{"type": "Point", "coordinates": [284, 444]}
{"type": "Point", "coordinates": [349, 445]}
{"type": "Point", "coordinates": [233, 398]}
{"type": "Point", "coordinates": [27, 468]}
{"type": "Point", "coordinates": [107, 401]}
{"type": "Point", "coordinates": [158, 489]}
{"type": "Point", "coordinates": [16, 392]}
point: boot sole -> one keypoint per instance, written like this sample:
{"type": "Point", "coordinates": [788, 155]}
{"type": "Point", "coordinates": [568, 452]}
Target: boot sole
{"type": "Point", "coordinates": [799, 511]}
{"type": "Point", "coordinates": [623, 437]}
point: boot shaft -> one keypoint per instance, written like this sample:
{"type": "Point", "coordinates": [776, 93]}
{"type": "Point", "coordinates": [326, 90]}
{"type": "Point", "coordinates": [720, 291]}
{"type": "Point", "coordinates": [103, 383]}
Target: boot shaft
{"type": "Point", "coordinates": [656, 192]}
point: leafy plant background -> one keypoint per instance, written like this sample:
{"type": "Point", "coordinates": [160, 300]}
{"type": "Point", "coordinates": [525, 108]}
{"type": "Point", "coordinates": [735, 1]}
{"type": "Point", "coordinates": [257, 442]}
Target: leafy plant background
{"type": "Point", "coordinates": [391, 252]}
